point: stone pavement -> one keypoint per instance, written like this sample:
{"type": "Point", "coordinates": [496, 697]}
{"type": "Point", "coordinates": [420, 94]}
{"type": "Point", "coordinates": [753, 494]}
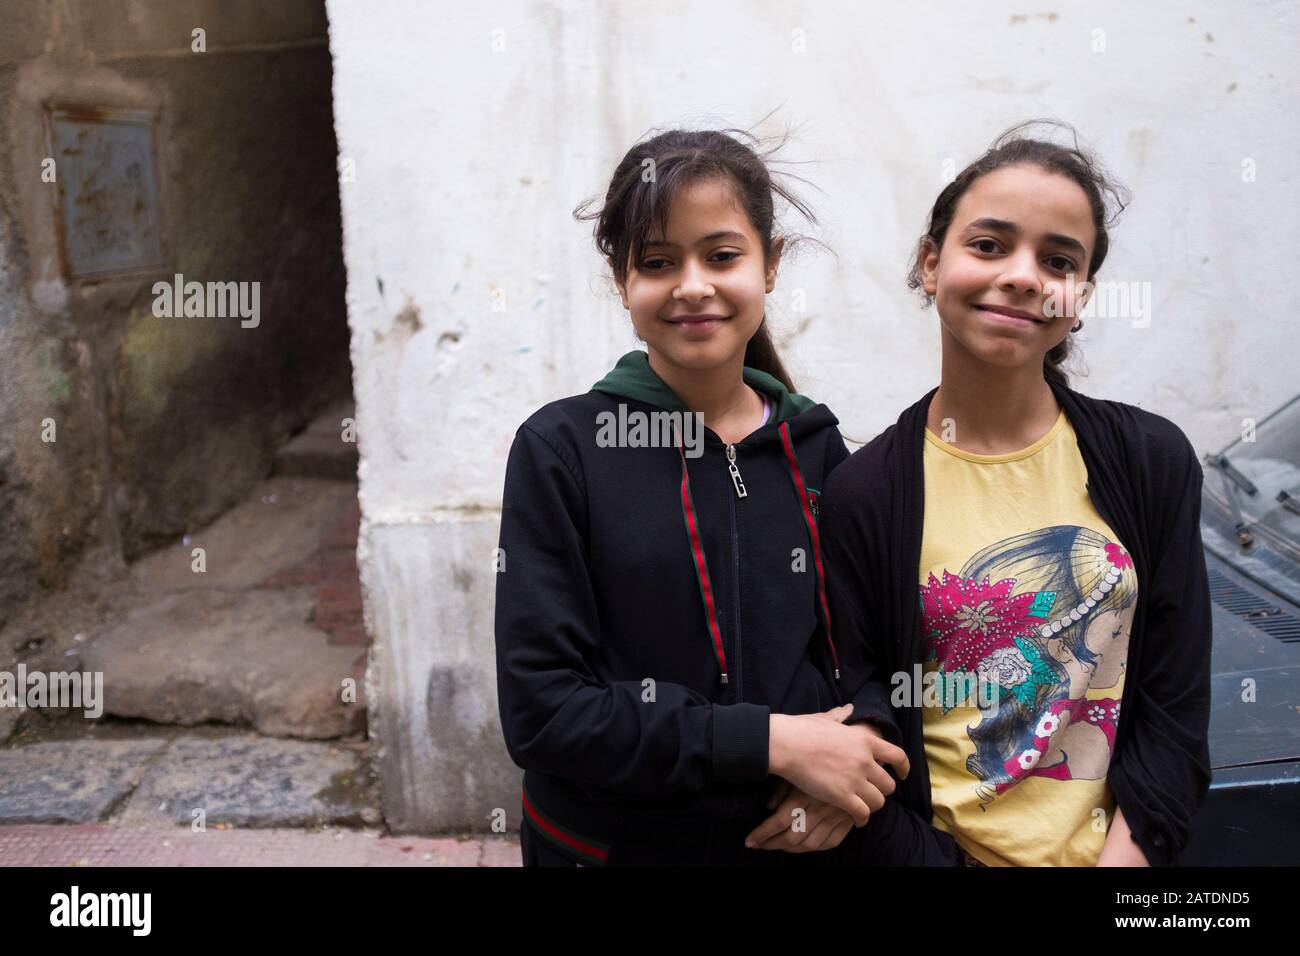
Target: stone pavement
{"type": "Point", "coordinates": [174, 776]}
{"type": "Point", "coordinates": [94, 844]}
{"type": "Point", "coordinates": [136, 794]}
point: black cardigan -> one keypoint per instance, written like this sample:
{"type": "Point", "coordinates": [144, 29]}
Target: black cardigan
{"type": "Point", "coordinates": [1145, 480]}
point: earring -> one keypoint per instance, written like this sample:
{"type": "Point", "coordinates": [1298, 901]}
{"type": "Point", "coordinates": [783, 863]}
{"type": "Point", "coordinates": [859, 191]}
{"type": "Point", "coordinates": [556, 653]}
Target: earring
{"type": "Point", "coordinates": [1077, 326]}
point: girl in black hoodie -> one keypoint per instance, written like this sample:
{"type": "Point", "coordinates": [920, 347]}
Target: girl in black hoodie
{"type": "Point", "coordinates": [666, 662]}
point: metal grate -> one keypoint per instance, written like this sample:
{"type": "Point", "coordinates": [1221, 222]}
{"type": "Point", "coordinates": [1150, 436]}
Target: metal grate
{"type": "Point", "coordinates": [1253, 609]}
{"type": "Point", "coordinates": [1284, 627]}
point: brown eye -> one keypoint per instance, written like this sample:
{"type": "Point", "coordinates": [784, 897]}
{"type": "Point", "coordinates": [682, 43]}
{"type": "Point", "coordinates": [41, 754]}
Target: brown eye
{"type": "Point", "coordinates": [651, 265]}
{"type": "Point", "coordinates": [1065, 265]}
{"type": "Point", "coordinates": [978, 244]}
{"type": "Point", "coordinates": [730, 254]}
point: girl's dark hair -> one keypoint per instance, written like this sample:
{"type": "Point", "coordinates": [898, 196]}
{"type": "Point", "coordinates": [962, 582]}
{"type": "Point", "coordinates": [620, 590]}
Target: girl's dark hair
{"type": "Point", "coordinates": [1106, 197]}
{"type": "Point", "coordinates": [646, 180]}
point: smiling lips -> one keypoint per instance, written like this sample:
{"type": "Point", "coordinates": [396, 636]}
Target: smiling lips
{"type": "Point", "coordinates": [696, 320]}
{"type": "Point", "coordinates": [1018, 316]}
{"type": "Point", "coordinates": [697, 325]}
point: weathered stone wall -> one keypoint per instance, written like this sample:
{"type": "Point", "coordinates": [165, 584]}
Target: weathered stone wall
{"type": "Point", "coordinates": [163, 423]}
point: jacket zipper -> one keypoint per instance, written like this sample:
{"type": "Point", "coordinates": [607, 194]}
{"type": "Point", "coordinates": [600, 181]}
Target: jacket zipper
{"type": "Point", "coordinates": [735, 472]}
{"type": "Point", "coordinates": [735, 561]}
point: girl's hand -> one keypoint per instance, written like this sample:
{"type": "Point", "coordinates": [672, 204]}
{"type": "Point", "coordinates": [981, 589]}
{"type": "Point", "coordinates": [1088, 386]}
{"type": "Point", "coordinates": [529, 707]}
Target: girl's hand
{"type": "Point", "coordinates": [843, 766]}
{"type": "Point", "coordinates": [823, 826]}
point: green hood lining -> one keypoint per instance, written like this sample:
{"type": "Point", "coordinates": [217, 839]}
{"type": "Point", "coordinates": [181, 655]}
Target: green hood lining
{"type": "Point", "coordinates": [632, 377]}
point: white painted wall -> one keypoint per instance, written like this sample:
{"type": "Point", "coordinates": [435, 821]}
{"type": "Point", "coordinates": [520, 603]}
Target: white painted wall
{"type": "Point", "coordinates": [474, 130]}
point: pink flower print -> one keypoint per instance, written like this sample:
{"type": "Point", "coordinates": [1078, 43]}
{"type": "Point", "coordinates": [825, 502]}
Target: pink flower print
{"type": "Point", "coordinates": [963, 621]}
{"type": "Point", "coordinates": [1118, 557]}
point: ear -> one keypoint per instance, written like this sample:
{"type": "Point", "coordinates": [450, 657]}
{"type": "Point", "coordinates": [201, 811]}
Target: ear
{"type": "Point", "coordinates": [774, 260]}
{"type": "Point", "coordinates": [929, 255]}
{"type": "Point", "coordinates": [621, 285]}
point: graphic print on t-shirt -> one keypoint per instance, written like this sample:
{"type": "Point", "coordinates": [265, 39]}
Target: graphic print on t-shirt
{"type": "Point", "coordinates": [1045, 616]}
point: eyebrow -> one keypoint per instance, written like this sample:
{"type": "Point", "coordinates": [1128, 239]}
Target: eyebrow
{"type": "Point", "coordinates": [1002, 225]}
{"type": "Point", "coordinates": [711, 237]}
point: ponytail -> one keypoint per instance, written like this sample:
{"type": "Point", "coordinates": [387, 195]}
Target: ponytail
{"type": "Point", "coordinates": [761, 354]}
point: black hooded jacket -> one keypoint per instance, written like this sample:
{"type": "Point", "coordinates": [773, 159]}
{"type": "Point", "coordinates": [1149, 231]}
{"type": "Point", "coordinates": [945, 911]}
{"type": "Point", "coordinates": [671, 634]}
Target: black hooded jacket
{"type": "Point", "coordinates": [633, 580]}
{"type": "Point", "coordinates": [1145, 480]}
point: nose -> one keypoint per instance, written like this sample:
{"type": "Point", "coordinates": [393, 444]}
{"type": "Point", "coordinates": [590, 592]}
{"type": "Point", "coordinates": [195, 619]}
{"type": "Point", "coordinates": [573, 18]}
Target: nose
{"type": "Point", "coordinates": [694, 284]}
{"type": "Point", "coordinates": [1020, 274]}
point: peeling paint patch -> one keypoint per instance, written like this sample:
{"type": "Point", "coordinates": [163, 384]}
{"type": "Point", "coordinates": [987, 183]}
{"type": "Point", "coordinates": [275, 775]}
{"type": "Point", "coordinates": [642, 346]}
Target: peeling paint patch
{"type": "Point", "coordinates": [409, 317]}
{"type": "Point", "coordinates": [1018, 18]}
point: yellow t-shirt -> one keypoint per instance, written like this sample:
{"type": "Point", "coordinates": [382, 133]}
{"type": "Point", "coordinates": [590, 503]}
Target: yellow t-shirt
{"type": "Point", "coordinates": [1027, 600]}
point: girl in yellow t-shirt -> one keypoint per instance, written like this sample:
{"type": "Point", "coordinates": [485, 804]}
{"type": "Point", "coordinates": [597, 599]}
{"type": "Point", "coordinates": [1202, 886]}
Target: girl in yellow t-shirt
{"type": "Point", "coordinates": [1031, 554]}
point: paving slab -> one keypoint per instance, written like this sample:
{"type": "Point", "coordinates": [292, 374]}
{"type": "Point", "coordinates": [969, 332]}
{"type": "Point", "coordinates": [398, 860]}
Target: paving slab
{"type": "Point", "coordinates": [71, 781]}
{"type": "Point", "coordinates": [249, 781]}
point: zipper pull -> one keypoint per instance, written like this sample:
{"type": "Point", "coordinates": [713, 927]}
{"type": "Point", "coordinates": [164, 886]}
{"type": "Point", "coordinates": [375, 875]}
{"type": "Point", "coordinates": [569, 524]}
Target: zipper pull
{"type": "Point", "coordinates": [735, 472]}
